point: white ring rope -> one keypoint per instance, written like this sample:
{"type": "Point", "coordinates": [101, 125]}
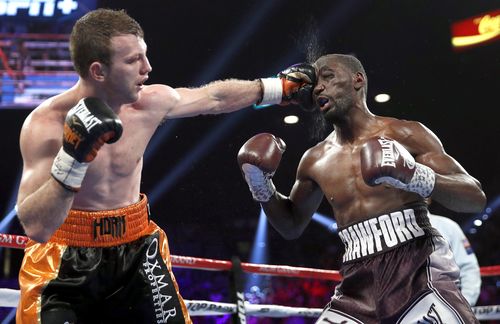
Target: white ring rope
{"type": "Point", "coordinates": [205, 308]}
{"type": "Point", "coordinates": [10, 297]}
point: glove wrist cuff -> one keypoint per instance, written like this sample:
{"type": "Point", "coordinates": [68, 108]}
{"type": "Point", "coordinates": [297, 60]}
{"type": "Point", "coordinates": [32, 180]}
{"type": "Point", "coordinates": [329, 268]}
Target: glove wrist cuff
{"type": "Point", "coordinates": [423, 180]}
{"type": "Point", "coordinates": [68, 171]}
{"type": "Point", "coordinates": [272, 91]}
{"type": "Point", "coordinates": [260, 183]}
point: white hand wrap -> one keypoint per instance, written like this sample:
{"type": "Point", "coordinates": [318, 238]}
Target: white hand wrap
{"type": "Point", "coordinates": [260, 183]}
{"type": "Point", "coordinates": [272, 91]}
{"type": "Point", "coordinates": [68, 171]}
{"type": "Point", "coordinates": [422, 182]}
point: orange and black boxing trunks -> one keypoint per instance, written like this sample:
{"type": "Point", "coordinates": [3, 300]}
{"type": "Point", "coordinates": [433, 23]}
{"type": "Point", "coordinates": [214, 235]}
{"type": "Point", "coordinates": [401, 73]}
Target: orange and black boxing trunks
{"type": "Point", "coordinates": [397, 269]}
{"type": "Point", "coordinates": [108, 266]}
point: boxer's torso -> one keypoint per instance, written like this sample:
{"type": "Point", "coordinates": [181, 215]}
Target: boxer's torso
{"type": "Point", "coordinates": [113, 178]}
{"type": "Point", "coordinates": [336, 168]}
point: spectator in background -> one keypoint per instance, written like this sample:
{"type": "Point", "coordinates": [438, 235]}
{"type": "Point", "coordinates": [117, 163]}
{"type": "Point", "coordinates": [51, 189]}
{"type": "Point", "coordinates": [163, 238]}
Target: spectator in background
{"type": "Point", "coordinates": [22, 59]}
{"type": "Point", "coordinates": [470, 276]}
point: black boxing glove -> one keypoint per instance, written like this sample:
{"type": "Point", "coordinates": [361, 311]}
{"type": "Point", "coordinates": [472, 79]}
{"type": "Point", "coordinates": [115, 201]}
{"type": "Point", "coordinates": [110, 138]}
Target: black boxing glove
{"type": "Point", "coordinates": [293, 85]}
{"type": "Point", "coordinates": [384, 160]}
{"type": "Point", "coordinates": [87, 126]}
{"type": "Point", "coordinates": [258, 159]}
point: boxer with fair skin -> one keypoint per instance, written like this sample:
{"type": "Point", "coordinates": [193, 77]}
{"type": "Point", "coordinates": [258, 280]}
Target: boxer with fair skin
{"type": "Point", "coordinates": [375, 172]}
{"type": "Point", "coordinates": [80, 188]}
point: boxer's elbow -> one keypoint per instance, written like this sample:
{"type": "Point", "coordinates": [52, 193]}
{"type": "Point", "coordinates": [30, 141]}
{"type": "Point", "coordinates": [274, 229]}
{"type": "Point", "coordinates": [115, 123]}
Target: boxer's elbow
{"type": "Point", "coordinates": [38, 234]}
{"type": "Point", "coordinates": [472, 203]}
{"type": "Point", "coordinates": [291, 234]}
{"type": "Point", "coordinates": [289, 230]}
{"type": "Point", "coordinates": [39, 237]}
{"type": "Point", "coordinates": [475, 203]}
{"type": "Point", "coordinates": [285, 217]}
{"type": "Point", "coordinates": [36, 230]}
{"type": "Point", "coordinates": [479, 197]}
{"type": "Point", "coordinates": [480, 202]}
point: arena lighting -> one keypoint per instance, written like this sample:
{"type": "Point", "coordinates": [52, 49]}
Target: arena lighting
{"type": "Point", "coordinates": [476, 30]}
{"type": "Point", "coordinates": [477, 220]}
{"type": "Point", "coordinates": [259, 253]}
{"type": "Point", "coordinates": [382, 97]}
{"type": "Point", "coordinates": [228, 50]}
{"type": "Point", "coordinates": [339, 13]}
{"type": "Point", "coordinates": [219, 61]}
{"type": "Point", "coordinates": [11, 206]}
{"type": "Point", "coordinates": [327, 222]}
{"type": "Point", "coordinates": [169, 179]}
{"type": "Point", "coordinates": [162, 132]}
{"type": "Point", "coordinates": [10, 316]}
{"type": "Point", "coordinates": [291, 119]}
{"type": "Point", "coordinates": [34, 8]}
{"type": "Point", "coordinates": [5, 223]}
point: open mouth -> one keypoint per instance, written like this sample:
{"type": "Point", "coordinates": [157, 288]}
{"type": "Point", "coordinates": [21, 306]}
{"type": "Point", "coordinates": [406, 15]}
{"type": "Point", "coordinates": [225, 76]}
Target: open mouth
{"type": "Point", "coordinates": [322, 102]}
{"type": "Point", "coordinates": [141, 83]}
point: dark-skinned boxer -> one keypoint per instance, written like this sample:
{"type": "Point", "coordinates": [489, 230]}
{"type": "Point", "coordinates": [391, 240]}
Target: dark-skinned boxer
{"type": "Point", "coordinates": [375, 172]}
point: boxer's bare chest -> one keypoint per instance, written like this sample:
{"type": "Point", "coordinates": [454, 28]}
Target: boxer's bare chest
{"type": "Point", "coordinates": [115, 174]}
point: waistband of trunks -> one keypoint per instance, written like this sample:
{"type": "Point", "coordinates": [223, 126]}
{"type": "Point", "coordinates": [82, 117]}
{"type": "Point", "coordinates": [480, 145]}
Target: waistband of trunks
{"type": "Point", "coordinates": [382, 233]}
{"type": "Point", "coordinates": [104, 228]}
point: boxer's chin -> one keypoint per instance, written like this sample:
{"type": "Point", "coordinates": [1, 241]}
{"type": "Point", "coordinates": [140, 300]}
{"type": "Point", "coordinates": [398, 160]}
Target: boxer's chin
{"type": "Point", "coordinates": [320, 126]}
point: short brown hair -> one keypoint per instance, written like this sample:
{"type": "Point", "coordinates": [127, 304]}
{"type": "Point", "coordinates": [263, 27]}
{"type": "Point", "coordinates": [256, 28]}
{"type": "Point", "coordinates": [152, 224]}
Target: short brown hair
{"type": "Point", "coordinates": [90, 39]}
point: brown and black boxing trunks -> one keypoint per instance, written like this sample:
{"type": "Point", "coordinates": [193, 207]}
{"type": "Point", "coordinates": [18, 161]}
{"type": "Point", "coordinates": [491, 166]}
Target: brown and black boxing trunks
{"type": "Point", "coordinates": [397, 269]}
{"type": "Point", "coordinates": [108, 266]}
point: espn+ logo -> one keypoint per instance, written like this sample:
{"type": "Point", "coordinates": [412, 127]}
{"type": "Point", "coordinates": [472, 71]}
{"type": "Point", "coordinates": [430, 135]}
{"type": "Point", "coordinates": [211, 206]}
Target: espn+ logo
{"type": "Point", "coordinates": [36, 8]}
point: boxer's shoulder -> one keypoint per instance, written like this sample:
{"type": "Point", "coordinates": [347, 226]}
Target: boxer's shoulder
{"type": "Point", "coordinates": [156, 96]}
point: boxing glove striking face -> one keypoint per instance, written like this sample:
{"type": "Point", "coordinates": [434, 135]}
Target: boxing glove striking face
{"type": "Point", "coordinates": [294, 85]}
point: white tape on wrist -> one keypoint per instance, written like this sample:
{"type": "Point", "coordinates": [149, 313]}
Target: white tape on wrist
{"type": "Point", "coordinates": [67, 170]}
{"type": "Point", "coordinates": [423, 180]}
{"type": "Point", "coordinates": [272, 91]}
{"type": "Point", "coordinates": [260, 183]}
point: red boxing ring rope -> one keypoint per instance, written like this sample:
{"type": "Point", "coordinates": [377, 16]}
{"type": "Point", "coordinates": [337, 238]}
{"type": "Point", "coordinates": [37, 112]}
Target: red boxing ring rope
{"type": "Point", "coordinates": [10, 297]}
{"type": "Point", "coordinates": [263, 269]}
{"type": "Point", "coordinates": [13, 241]}
{"type": "Point", "coordinates": [19, 242]}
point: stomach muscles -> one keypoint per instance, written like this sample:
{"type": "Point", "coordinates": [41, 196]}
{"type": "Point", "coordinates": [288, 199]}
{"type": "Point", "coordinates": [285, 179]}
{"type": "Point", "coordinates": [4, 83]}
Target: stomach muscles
{"type": "Point", "coordinates": [112, 181]}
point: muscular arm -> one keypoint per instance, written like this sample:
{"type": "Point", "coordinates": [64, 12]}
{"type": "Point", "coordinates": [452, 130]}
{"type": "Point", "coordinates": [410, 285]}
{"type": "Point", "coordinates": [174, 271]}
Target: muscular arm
{"type": "Point", "coordinates": [454, 188]}
{"type": "Point", "coordinates": [43, 204]}
{"type": "Point", "coordinates": [213, 98]}
{"type": "Point", "coordinates": [293, 85]}
{"type": "Point", "coordinates": [291, 215]}
{"type": "Point", "coordinates": [217, 97]}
